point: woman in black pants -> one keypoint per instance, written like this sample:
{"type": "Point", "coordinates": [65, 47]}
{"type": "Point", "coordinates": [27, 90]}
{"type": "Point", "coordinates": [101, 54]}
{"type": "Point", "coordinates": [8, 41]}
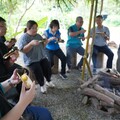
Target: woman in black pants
{"type": "Point", "coordinates": [34, 55]}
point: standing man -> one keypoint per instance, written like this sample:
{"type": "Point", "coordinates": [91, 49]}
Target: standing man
{"type": "Point", "coordinates": [74, 44]}
{"type": "Point", "coordinates": [102, 34]}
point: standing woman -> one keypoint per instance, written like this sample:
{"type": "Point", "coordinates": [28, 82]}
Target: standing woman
{"type": "Point", "coordinates": [52, 47]}
{"type": "Point", "coordinates": [34, 55]}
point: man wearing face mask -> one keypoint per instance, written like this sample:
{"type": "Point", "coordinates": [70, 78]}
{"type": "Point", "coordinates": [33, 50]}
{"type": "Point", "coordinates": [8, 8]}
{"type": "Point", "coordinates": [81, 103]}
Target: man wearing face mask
{"type": "Point", "coordinates": [74, 44]}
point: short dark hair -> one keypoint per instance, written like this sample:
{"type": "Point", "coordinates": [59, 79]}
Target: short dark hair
{"type": "Point", "coordinates": [99, 16]}
{"type": "Point", "coordinates": [78, 18]}
{"type": "Point", "coordinates": [54, 23]}
{"type": "Point", "coordinates": [2, 19]}
{"type": "Point", "coordinates": [30, 23]}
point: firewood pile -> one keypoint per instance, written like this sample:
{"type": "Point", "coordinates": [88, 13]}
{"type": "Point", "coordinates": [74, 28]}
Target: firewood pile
{"type": "Point", "coordinates": [103, 91]}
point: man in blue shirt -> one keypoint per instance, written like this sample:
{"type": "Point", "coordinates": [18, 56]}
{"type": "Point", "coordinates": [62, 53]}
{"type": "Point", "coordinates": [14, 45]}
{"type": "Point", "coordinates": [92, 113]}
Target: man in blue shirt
{"type": "Point", "coordinates": [74, 44]}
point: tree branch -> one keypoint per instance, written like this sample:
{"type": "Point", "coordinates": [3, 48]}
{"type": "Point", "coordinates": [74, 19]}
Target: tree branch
{"type": "Point", "coordinates": [24, 14]}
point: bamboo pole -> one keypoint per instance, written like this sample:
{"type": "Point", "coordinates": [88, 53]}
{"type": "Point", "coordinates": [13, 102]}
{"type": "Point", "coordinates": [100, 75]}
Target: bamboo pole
{"type": "Point", "coordinates": [101, 8]}
{"type": "Point", "coordinates": [86, 50]}
{"type": "Point", "coordinates": [93, 36]}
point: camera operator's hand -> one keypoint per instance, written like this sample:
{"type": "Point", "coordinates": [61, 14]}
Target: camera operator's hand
{"type": "Point", "coordinates": [27, 96]}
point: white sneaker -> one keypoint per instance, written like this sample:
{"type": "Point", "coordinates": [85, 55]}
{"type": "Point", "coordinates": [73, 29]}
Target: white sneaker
{"type": "Point", "coordinates": [43, 89]}
{"type": "Point", "coordinates": [50, 84]}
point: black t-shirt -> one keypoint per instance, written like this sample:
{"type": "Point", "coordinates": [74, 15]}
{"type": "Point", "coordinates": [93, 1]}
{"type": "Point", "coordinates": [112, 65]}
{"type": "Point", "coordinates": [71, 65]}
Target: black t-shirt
{"type": "Point", "coordinates": [2, 39]}
{"type": "Point", "coordinates": [3, 50]}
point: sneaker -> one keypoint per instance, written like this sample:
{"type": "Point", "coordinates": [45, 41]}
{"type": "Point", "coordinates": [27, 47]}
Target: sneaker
{"type": "Point", "coordinates": [63, 76]}
{"type": "Point", "coordinates": [43, 89]}
{"type": "Point", "coordinates": [79, 68]}
{"type": "Point", "coordinates": [94, 71]}
{"type": "Point", "coordinates": [69, 70]}
{"type": "Point", "coordinates": [50, 84]}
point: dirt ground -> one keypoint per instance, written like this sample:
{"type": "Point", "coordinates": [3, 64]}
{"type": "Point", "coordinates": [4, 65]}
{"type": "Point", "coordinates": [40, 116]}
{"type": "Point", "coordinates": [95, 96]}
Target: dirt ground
{"type": "Point", "coordinates": [64, 101]}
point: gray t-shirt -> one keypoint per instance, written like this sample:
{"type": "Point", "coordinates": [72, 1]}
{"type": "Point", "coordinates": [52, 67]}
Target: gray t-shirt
{"type": "Point", "coordinates": [36, 53]}
{"type": "Point", "coordinates": [99, 39]}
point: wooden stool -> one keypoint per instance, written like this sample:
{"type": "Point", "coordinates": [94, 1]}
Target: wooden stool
{"type": "Point", "coordinates": [55, 68]}
{"type": "Point", "coordinates": [74, 61]}
{"type": "Point", "coordinates": [100, 58]}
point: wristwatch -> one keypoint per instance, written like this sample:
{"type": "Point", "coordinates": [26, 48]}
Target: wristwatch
{"type": "Point", "coordinates": [12, 85]}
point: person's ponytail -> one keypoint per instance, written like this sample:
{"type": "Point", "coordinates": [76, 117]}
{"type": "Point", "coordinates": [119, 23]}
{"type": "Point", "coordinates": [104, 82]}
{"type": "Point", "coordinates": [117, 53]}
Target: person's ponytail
{"type": "Point", "coordinates": [25, 30]}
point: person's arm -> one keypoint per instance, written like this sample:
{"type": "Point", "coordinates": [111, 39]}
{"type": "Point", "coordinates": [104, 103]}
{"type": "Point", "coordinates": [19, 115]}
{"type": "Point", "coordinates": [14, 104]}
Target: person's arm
{"type": "Point", "coordinates": [15, 113]}
{"type": "Point", "coordinates": [11, 82]}
{"type": "Point", "coordinates": [30, 45]}
{"type": "Point", "coordinates": [25, 98]}
{"type": "Point", "coordinates": [72, 33]}
{"type": "Point", "coordinates": [107, 34]}
{"type": "Point", "coordinates": [45, 36]}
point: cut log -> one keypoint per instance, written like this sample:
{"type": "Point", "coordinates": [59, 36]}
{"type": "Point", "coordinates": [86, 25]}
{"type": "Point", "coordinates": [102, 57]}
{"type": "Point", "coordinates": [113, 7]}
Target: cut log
{"type": "Point", "coordinates": [110, 75]}
{"type": "Point", "coordinates": [113, 80]}
{"type": "Point", "coordinates": [106, 92]}
{"type": "Point", "coordinates": [103, 103]}
{"type": "Point", "coordinates": [98, 95]}
{"type": "Point", "coordinates": [90, 81]}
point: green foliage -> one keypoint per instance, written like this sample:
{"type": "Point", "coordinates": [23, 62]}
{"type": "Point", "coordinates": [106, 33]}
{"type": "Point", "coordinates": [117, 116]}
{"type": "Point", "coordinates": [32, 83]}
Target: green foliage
{"type": "Point", "coordinates": [10, 34]}
{"type": "Point", "coordinates": [41, 23]}
{"type": "Point", "coordinates": [65, 11]}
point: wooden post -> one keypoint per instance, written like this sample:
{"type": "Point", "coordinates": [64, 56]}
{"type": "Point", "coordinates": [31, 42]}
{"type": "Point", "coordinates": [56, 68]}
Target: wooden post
{"type": "Point", "coordinates": [74, 60]}
{"type": "Point", "coordinates": [100, 58]}
{"type": "Point", "coordinates": [55, 68]}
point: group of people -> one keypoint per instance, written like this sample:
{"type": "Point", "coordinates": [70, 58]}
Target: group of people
{"type": "Point", "coordinates": [21, 109]}
{"type": "Point", "coordinates": [38, 55]}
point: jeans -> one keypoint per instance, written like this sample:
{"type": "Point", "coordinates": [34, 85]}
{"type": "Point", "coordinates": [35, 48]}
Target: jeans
{"type": "Point", "coordinates": [71, 51]}
{"type": "Point", "coordinates": [41, 69]}
{"type": "Point", "coordinates": [59, 53]}
{"type": "Point", "coordinates": [104, 49]}
{"type": "Point", "coordinates": [37, 113]}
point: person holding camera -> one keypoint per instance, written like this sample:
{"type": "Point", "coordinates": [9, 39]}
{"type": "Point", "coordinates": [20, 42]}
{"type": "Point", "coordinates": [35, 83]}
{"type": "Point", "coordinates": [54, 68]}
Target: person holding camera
{"type": "Point", "coordinates": [22, 110]}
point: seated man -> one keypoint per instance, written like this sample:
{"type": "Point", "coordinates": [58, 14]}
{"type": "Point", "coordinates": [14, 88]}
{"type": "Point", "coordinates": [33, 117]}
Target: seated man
{"type": "Point", "coordinates": [7, 66]}
{"type": "Point", "coordinates": [102, 34]}
{"type": "Point", "coordinates": [74, 44]}
{"type": "Point", "coordinates": [6, 70]}
{"type": "Point", "coordinates": [21, 110]}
